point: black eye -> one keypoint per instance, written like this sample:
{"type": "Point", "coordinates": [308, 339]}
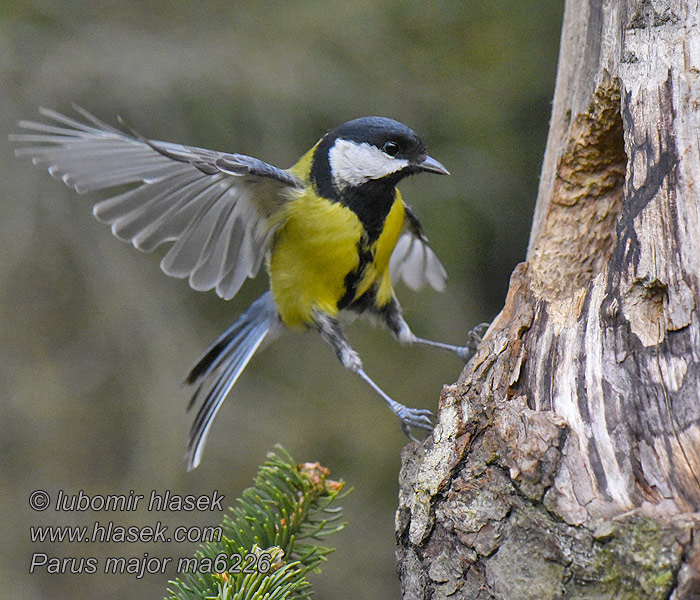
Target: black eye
{"type": "Point", "coordinates": [391, 148]}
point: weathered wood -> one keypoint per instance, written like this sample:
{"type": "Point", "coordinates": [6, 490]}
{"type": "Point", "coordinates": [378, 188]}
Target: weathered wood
{"type": "Point", "coordinates": [566, 460]}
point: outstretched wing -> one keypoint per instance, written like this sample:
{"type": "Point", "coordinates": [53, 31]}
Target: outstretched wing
{"type": "Point", "coordinates": [413, 260]}
{"type": "Point", "coordinates": [214, 206]}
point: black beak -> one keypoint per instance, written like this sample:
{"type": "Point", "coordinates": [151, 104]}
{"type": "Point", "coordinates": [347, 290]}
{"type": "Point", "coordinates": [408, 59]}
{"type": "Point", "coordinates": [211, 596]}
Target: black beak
{"type": "Point", "coordinates": [432, 166]}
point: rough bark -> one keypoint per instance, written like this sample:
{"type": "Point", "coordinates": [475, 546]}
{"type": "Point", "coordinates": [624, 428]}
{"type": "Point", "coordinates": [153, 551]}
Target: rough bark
{"type": "Point", "coordinates": [566, 459]}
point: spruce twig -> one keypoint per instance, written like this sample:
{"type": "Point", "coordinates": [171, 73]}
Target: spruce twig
{"type": "Point", "coordinates": [272, 537]}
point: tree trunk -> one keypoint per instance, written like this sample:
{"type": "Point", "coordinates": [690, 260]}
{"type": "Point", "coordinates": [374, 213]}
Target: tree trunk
{"type": "Point", "coordinates": [566, 459]}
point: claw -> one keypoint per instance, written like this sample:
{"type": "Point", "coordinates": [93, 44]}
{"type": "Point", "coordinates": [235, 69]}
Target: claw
{"type": "Point", "coordinates": [480, 330]}
{"type": "Point", "coordinates": [474, 338]}
{"type": "Point", "coordinates": [409, 435]}
{"type": "Point", "coordinates": [420, 418]}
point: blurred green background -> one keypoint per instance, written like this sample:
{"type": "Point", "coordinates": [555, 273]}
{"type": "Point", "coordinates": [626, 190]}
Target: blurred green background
{"type": "Point", "coordinates": [96, 340]}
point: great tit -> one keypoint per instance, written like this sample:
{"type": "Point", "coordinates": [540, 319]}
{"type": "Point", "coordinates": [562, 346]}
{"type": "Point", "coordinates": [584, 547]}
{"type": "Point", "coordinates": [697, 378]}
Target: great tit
{"type": "Point", "coordinates": [332, 231]}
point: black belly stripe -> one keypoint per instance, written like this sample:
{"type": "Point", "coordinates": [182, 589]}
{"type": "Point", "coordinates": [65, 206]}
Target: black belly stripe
{"type": "Point", "coordinates": [371, 202]}
{"type": "Point", "coordinates": [353, 278]}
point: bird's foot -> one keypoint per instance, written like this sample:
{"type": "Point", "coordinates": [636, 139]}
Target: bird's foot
{"type": "Point", "coordinates": [474, 338]}
{"type": "Point", "coordinates": [420, 418]}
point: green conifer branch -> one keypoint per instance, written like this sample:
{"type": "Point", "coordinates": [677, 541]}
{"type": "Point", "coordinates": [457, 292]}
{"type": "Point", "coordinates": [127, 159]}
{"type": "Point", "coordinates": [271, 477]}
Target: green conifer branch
{"type": "Point", "coordinates": [271, 539]}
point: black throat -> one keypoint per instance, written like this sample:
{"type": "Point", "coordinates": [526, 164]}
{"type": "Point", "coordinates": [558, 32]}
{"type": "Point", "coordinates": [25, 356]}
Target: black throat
{"type": "Point", "coordinates": [371, 203]}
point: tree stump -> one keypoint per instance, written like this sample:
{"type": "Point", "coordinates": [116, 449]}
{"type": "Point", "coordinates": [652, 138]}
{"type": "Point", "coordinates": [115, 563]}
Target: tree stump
{"type": "Point", "coordinates": [566, 459]}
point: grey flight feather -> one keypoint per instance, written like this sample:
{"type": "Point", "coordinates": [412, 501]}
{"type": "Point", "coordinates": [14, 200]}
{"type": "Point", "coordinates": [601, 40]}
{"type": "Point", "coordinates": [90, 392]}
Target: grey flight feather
{"type": "Point", "coordinates": [214, 206]}
{"type": "Point", "coordinates": [413, 260]}
{"type": "Point", "coordinates": [222, 363]}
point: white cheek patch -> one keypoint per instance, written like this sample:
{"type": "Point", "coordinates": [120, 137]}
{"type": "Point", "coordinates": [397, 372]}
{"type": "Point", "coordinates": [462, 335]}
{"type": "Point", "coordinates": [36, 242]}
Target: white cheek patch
{"type": "Point", "coordinates": [354, 163]}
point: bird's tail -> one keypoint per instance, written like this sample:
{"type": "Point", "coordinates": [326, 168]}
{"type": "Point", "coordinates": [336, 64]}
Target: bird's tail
{"type": "Point", "coordinates": [220, 366]}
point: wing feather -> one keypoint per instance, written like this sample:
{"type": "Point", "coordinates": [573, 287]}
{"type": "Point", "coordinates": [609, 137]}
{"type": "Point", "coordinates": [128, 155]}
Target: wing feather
{"type": "Point", "coordinates": [144, 205]}
{"type": "Point", "coordinates": [168, 213]}
{"type": "Point", "coordinates": [183, 256]}
{"type": "Point", "coordinates": [215, 207]}
{"type": "Point", "coordinates": [413, 260]}
{"type": "Point", "coordinates": [229, 238]}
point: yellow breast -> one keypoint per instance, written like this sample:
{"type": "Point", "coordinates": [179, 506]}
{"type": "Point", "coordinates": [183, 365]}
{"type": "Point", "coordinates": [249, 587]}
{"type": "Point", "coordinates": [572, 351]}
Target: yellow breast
{"type": "Point", "coordinates": [315, 249]}
{"type": "Point", "coordinates": [311, 254]}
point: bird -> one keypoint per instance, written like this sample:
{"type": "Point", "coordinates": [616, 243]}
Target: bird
{"type": "Point", "coordinates": [332, 232]}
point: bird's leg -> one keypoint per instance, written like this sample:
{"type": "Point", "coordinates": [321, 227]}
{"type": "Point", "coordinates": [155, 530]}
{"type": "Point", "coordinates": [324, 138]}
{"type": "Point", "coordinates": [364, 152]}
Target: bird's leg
{"type": "Point", "coordinates": [330, 330]}
{"type": "Point", "coordinates": [392, 315]}
{"type": "Point", "coordinates": [474, 338]}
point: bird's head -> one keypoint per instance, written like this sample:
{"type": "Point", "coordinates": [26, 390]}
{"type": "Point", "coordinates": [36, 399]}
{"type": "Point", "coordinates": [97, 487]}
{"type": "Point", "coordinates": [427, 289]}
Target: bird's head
{"type": "Point", "coordinates": [370, 150]}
